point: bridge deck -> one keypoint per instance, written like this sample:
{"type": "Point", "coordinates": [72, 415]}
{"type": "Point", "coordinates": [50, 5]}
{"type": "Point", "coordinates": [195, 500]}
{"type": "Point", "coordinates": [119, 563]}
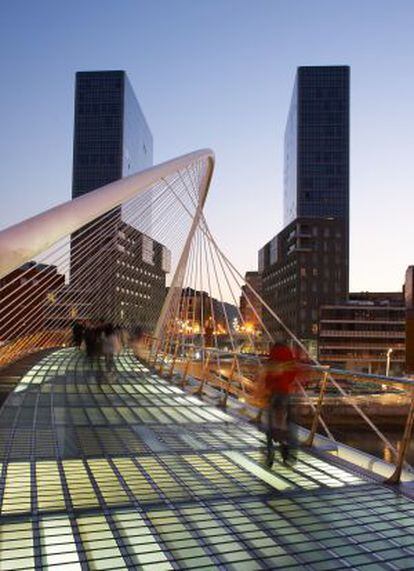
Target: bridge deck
{"type": "Point", "coordinates": [132, 473]}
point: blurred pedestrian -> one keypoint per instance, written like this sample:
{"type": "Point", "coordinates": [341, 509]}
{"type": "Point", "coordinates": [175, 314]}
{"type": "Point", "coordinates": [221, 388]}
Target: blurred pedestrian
{"type": "Point", "coordinates": [136, 339]}
{"type": "Point", "coordinates": [123, 336]}
{"type": "Point", "coordinates": [78, 330]}
{"type": "Point", "coordinates": [90, 341]}
{"type": "Point", "coordinates": [281, 371]}
{"type": "Point", "coordinates": [110, 346]}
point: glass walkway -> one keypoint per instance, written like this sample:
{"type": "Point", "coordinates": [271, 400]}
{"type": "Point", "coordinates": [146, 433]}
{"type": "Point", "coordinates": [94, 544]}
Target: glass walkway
{"type": "Point", "coordinates": [125, 471]}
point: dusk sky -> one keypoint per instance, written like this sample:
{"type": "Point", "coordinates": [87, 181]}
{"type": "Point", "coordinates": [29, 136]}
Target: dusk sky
{"type": "Point", "coordinates": [219, 74]}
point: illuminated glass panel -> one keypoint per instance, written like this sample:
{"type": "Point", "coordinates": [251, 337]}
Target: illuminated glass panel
{"type": "Point", "coordinates": [49, 488]}
{"type": "Point", "coordinates": [80, 488]}
{"type": "Point", "coordinates": [132, 473]}
{"type": "Point", "coordinates": [57, 543]}
{"type": "Point", "coordinates": [17, 491]}
{"type": "Point", "coordinates": [108, 483]}
{"type": "Point", "coordinates": [101, 548]}
{"type": "Point", "coordinates": [16, 546]}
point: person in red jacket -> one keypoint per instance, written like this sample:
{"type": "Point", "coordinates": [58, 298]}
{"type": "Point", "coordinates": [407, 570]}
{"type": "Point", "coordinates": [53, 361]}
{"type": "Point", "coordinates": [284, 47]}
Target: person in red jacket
{"type": "Point", "coordinates": [281, 372]}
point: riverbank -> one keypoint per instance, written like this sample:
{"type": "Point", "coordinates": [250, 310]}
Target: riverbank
{"type": "Point", "coordinates": [383, 409]}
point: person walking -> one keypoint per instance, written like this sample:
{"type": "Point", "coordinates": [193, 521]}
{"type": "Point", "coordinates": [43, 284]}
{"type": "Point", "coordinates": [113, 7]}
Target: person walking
{"type": "Point", "coordinates": [110, 346]}
{"type": "Point", "coordinates": [78, 331]}
{"type": "Point", "coordinates": [281, 371]}
{"type": "Point", "coordinates": [90, 341]}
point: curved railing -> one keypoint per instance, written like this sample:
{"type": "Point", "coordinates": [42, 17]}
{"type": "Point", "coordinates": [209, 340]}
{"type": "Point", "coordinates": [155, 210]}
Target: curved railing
{"type": "Point", "coordinates": [234, 376]}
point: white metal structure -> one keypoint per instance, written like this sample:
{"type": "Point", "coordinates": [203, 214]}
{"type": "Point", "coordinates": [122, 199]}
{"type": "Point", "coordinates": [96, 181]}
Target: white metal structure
{"type": "Point", "coordinates": [24, 241]}
{"type": "Point", "coordinates": [58, 255]}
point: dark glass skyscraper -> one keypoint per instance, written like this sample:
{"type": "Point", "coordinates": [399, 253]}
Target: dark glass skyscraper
{"type": "Point", "coordinates": [112, 140]}
{"type": "Point", "coordinates": [306, 264]}
{"type": "Point", "coordinates": [316, 175]}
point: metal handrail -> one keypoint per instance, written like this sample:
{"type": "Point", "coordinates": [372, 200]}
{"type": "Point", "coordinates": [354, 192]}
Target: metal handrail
{"type": "Point", "coordinates": [356, 375]}
{"type": "Point", "coordinates": [207, 377]}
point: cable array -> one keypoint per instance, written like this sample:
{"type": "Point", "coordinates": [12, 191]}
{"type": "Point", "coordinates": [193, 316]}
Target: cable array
{"type": "Point", "coordinates": [153, 262]}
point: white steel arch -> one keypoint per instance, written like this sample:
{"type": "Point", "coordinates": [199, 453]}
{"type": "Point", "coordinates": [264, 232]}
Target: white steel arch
{"type": "Point", "coordinates": [26, 240]}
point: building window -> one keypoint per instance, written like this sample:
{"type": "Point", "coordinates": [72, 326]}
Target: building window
{"type": "Point", "coordinates": [165, 260]}
{"type": "Point", "coordinates": [147, 250]}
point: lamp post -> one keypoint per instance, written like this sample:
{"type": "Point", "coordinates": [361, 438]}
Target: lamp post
{"type": "Point", "coordinates": [387, 366]}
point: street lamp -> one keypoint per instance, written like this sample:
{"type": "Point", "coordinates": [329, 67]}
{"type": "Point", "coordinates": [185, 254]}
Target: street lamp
{"type": "Point", "coordinates": [387, 366]}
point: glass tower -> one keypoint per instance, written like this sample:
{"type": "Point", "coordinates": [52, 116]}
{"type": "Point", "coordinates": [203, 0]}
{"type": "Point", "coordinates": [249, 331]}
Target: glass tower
{"type": "Point", "coordinates": [111, 138]}
{"type": "Point", "coordinates": [316, 175]}
{"type": "Point", "coordinates": [307, 264]}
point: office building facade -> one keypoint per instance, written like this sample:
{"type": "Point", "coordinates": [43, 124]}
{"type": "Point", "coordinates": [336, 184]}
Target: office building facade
{"type": "Point", "coordinates": [367, 333]}
{"type": "Point", "coordinates": [27, 294]}
{"type": "Point", "coordinates": [311, 253]}
{"type": "Point", "coordinates": [316, 146]}
{"type": "Point", "coordinates": [112, 140]}
{"type": "Point", "coordinates": [409, 320]}
{"type": "Point", "coordinates": [301, 269]}
{"type": "Point", "coordinates": [111, 136]}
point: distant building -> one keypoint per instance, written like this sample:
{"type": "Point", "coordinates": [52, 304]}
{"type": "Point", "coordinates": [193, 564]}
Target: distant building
{"type": "Point", "coordinates": [117, 271]}
{"type": "Point", "coordinates": [129, 285]}
{"type": "Point", "coordinates": [111, 137]}
{"type": "Point", "coordinates": [27, 294]}
{"type": "Point", "coordinates": [316, 149]}
{"type": "Point", "coordinates": [364, 332]}
{"type": "Point", "coordinates": [301, 269]}
{"type": "Point", "coordinates": [199, 312]}
{"type": "Point", "coordinates": [250, 305]}
{"type": "Point", "coordinates": [409, 320]}
{"type": "Point", "coordinates": [307, 263]}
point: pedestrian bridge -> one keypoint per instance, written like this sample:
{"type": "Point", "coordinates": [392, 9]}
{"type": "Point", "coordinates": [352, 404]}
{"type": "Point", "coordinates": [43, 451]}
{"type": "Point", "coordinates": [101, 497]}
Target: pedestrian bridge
{"type": "Point", "coordinates": [128, 471]}
{"type": "Point", "coordinates": [157, 464]}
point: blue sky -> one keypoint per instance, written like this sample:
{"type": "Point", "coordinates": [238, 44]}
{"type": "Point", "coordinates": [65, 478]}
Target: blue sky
{"type": "Point", "coordinates": [219, 74]}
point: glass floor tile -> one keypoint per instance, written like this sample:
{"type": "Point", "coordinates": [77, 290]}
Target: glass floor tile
{"type": "Point", "coordinates": [127, 471]}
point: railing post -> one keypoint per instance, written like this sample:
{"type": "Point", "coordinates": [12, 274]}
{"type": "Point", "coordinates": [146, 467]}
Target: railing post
{"type": "Point", "coordinates": [223, 402]}
{"type": "Point", "coordinates": [151, 345]}
{"type": "Point", "coordinates": [199, 391]}
{"type": "Point", "coordinates": [165, 351]}
{"type": "Point", "coordinates": [396, 476]}
{"type": "Point", "coordinates": [171, 369]}
{"type": "Point", "coordinates": [157, 350]}
{"type": "Point", "coordinates": [258, 418]}
{"type": "Point", "coordinates": [185, 372]}
{"type": "Point", "coordinates": [316, 416]}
